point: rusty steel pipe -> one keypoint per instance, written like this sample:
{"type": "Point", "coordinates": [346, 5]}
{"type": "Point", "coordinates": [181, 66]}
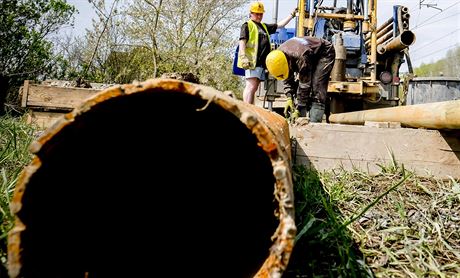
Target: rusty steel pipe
{"type": "Point", "coordinates": [437, 115]}
{"type": "Point", "coordinates": [383, 26]}
{"type": "Point", "coordinates": [386, 32]}
{"type": "Point", "coordinates": [384, 38]}
{"type": "Point", "coordinates": [144, 177]}
{"type": "Point", "coordinates": [404, 40]}
{"type": "Point", "coordinates": [388, 29]}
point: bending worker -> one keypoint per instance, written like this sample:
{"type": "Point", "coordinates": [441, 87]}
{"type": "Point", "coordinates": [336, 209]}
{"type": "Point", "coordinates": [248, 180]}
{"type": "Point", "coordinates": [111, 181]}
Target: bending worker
{"type": "Point", "coordinates": [254, 46]}
{"type": "Point", "coordinates": [312, 60]}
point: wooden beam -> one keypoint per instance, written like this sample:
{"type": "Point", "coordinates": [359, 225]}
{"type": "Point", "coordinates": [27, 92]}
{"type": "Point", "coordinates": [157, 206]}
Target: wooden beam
{"type": "Point", "coordinates": [25, 93]}
{"type": "Point", "coordinates": [426, 152]}
{"type": "Point", "coordinates": [43, 119]}
{"type": "Point", "coordinates": [56, 98]}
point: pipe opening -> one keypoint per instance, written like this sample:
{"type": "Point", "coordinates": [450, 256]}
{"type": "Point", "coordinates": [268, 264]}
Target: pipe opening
{"type": "Point", "coordinates": [407, 38]}
{"type": "Point", "coordinates": [144, 184]}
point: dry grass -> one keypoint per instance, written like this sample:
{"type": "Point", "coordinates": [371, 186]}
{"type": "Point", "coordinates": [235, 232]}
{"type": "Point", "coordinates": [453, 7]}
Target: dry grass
{"type": "Point", "coordinates": [400, 225]}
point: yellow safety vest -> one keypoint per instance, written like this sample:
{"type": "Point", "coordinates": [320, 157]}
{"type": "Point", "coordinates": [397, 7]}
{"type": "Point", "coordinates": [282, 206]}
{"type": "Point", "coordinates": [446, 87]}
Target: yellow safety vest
{"type": "Point", "coordinates": [252, 44]}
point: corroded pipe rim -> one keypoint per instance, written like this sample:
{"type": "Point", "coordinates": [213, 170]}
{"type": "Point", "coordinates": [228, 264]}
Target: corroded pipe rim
{"type": "Point", "coordinates": [254, 119]}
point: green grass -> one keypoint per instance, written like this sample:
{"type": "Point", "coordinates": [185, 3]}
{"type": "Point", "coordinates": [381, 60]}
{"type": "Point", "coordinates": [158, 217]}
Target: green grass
{"type": "Point", "coordinates": [15, 138]}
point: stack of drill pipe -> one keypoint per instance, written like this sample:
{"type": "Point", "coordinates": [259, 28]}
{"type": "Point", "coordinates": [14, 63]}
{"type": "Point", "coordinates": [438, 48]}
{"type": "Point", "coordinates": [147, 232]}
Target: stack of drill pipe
{"type": "Point", "coordinates": [437, 115]}
{"type": "Point", "coordinates": [384, 33]}
{"type": "Point", "coordinates": [144, 177]}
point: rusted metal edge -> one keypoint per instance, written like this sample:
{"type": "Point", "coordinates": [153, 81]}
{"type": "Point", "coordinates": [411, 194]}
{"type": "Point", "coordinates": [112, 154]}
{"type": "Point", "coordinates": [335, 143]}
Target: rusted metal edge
{"type": "Point", "coordinates": [271, 130]}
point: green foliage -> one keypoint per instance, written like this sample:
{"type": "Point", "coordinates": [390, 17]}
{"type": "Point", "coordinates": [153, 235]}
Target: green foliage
{"type": "Point", "coordinates": [15, 138]}
{"type": "Point", "coordinates": [24, 26]}
{"type": "Point", "coordinates": [25, 51]}
{"type": "Point", "coordinates": [124, 67]}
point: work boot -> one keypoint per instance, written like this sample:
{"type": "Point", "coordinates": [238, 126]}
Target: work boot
{"type": "Point", "coordinates": [317, 112]}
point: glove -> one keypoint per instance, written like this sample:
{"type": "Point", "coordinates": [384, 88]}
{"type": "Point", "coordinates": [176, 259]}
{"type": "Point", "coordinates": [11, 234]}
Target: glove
{"type": "Point", "coordinates": [245, 64]}
{"type": "Point", "coordinates": [295, 115]}
{"type": "Point", "coordinates": [288, 107]}
{"type": "Point", "coordinates": [294, 12]}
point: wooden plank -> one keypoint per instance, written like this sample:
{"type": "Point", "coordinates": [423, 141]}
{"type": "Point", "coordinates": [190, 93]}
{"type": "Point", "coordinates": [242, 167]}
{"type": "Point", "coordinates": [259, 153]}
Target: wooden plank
{"type": "Point", "coordinates": [57, 98]}
{"type": "Point", "coordinates": [25, 93]}
{"type": "Point", "coordinates": [43, 119]}
{"type": "Point", "coordinates": [426, 152]}
{"type": "Point", "coordinates": [383, 124]}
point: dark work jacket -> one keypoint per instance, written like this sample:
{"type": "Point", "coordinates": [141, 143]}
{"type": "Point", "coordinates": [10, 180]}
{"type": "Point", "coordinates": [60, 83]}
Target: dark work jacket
{"type": "Point", "coordinates": [312, 59]}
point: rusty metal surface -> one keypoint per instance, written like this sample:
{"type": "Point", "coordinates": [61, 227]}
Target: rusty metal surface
{"type": "Point", "coordinates": [270, 129]}
{"type": "Point", "coordinates": [404, 40]}
{"type": "Point", "coordinates": [438, 115]}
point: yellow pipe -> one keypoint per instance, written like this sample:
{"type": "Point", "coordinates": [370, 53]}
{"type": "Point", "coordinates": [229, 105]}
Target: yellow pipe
{"type": "Point", "coordinates": [373, 17]}
{"type": "Point", "coordinates": [301, 19]}
{"type": "Point", "coordinates": [437, 115]}
{"type": "Point", "coordinates": [106, 175]}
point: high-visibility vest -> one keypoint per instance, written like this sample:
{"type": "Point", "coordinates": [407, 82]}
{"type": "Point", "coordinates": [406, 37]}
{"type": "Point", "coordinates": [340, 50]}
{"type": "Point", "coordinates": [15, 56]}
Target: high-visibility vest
{"type": "Point", "coordinates": [252, 44]}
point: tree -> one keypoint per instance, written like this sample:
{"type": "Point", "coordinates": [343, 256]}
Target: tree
{"type": "Point", "coordinates": [146, 38]}
{"type": "Point", "coordinates": [452, 63]}
{"type": "Point", "coordinates": [25, 51]}
{"type": "Point", "coordinates": [196, 36]}
{"type": "Point", "coordinates": [449, 66]}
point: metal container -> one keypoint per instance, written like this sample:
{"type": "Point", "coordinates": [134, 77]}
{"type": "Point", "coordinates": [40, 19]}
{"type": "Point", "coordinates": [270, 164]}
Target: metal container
{"type": "Point", "coordinates": [163, 176]}
{"type": "Point", "coordinates": [433, 89]}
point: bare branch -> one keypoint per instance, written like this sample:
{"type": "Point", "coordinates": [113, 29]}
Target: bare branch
{"type": "Point", "coordinates": [100, 36]}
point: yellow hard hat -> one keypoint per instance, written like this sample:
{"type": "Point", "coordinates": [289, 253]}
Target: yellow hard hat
{"type": "Point", "coordinates": [257, 8]}
{"type": "Point", "coordinates": [277, 64]}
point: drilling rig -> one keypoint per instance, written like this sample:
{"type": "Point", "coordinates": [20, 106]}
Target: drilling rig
{"type": "Point", "coordinates": [366, 98]}
{"type": "Point", "coordinates": [368, 56]}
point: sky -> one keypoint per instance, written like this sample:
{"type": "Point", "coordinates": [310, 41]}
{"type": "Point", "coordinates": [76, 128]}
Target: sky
{"type": "Point", "coordinates": [435, 23]}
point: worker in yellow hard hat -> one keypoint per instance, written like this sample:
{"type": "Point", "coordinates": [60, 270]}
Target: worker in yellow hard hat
{"type": "Point", "coordinates": [312, 60]}
{"type": "Point", "coordinates": [254, 46]}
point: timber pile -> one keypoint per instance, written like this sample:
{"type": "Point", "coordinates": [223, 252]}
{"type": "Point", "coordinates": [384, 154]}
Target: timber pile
{"type": "Point", "coordinates": [51, 99]}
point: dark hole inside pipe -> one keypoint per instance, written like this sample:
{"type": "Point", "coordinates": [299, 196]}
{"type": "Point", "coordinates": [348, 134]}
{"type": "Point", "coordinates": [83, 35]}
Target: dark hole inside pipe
{"type": "Point", "coordinates": [407, 38]}
{"type": "Point", "coordinates": [145, 184]}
